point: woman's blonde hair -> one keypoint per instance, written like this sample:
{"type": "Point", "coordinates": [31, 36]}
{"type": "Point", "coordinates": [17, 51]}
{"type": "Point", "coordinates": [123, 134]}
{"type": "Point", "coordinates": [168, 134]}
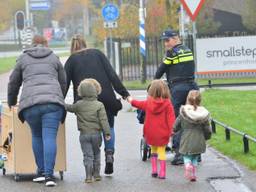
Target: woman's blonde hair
{"type": "Point", "coordinates": [39, 40]}
{"type": "Point", "coordinates": [194, 98]}
{"type": "Point", "coordinates": [159, 89]}
{"type": "Point", "coordinates": [77, 43]}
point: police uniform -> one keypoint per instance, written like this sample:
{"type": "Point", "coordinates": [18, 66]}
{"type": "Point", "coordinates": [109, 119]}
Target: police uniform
{"type": "Point", "coordinates": [179, 67]}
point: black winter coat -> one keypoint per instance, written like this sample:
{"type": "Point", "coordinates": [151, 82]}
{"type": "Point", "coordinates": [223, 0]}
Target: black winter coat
{"type": "Point", "coordinates": [92, 63]}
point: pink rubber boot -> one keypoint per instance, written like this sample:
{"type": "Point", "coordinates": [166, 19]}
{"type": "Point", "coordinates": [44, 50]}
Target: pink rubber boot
{"type": "Point", "coordinates": [162, 172]}
{"type": "Point", "coordinates": [193, 175]}
{"type": "Point", "coordinates": [188, 171]}
{"type": "Point", "coordinates": [154, 164]}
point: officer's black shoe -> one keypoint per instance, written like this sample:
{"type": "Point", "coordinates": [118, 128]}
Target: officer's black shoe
{"type": "Point", "coordinates": [199, 159]}
{"type": "Point", "coordinates": [167, 148]}
{"type": "Point", "coordinates": [177, 161]}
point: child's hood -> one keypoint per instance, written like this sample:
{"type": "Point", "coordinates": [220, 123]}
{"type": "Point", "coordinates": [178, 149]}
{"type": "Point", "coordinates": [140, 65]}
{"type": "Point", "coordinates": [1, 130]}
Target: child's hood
{"type": "Point", "coordinates": [87, 90]}
{"type": "Point", "coordinates": [157, 105]}
{"type": "Point", "coordinates": [200, 115]}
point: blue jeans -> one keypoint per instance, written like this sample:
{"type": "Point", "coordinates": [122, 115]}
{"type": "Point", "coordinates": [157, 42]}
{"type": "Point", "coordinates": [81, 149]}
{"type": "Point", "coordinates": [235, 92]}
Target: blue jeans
{"type": "Point", "coordinates": [44, 121]}
{"type": "Point", "coordinates": [110, 145]}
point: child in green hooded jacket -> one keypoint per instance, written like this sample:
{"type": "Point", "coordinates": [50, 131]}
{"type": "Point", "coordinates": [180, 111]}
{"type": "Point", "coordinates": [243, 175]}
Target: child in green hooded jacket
{"type": "Point", "coordinates": [92, 121]}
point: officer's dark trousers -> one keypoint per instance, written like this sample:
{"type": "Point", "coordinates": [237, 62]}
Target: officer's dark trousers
{"type": "Point", "coordinates": [179, 92]}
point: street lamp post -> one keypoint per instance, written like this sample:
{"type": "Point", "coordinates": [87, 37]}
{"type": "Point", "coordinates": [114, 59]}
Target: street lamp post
{"type": "Point", "coordinates": [27, 14]}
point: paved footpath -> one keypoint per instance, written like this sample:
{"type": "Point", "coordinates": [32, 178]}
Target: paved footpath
{"type": "Point", "coordinates": [215, 173]}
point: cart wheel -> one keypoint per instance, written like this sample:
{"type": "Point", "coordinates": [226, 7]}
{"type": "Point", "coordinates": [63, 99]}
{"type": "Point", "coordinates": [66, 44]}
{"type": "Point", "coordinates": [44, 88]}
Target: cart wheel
{"type": "Point", "coordinates": [16, 178]}
{"type": "Point", "coordinates": [4, 171]}
{"type": "Point", "coordinates": [61, 175]}
{"type": "Point", "coordinates": [143, 149]}
{"type": "Point", "coordinates": [149, 152]}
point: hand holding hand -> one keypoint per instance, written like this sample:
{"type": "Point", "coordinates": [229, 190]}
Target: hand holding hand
{"type": "Point", "coordinates": [107, 137]}
{"type": "Point", "coordinates": [129, 99]}
{"type": "Point", "coordinates": [10, 108]}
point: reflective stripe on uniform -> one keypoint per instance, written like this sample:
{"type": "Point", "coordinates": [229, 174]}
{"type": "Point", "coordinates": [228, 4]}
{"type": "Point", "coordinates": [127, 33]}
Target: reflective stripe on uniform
{"type": "Point", "coordinates": [185, 54]}
{"type": "Point", "coordinates": [183, 59]}
{"type": "Point", "coordinates": [188, 58]}
{"type": "Point", "coordinates": [179, 59]}
{"type": "Point", "coordinates": [169, 60]}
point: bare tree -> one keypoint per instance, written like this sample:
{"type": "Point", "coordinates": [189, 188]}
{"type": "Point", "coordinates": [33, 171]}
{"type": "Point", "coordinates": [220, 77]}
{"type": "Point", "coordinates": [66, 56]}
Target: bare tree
{"type": "Point", "coordinates": [205, 21]}
{"type": "Point", "coordinates": [249, 15]}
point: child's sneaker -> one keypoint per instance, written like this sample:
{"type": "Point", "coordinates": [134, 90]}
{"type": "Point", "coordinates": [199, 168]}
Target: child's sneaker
{"type": "Point", "coordinates": [50, 181]}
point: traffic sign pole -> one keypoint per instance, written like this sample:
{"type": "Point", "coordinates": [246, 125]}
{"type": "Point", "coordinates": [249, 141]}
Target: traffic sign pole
{"type": "Point", "coordinates": [111, 46]}
{"type": "Point", "coordinates": [194, 43]}
{"type": "Point", "coordinates": [110, 14]}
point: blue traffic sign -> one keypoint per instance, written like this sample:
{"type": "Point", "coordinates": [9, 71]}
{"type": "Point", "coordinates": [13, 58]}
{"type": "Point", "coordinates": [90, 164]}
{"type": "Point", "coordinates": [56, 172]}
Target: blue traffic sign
{"type": "Point", "coordinates": [110, 12]}
{"type": "Point", "coordinates": [42, 5]}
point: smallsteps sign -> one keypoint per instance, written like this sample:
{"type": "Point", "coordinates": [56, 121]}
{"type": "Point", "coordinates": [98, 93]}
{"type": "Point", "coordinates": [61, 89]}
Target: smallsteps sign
{"type": "Point", "coordinates": [229, 54]}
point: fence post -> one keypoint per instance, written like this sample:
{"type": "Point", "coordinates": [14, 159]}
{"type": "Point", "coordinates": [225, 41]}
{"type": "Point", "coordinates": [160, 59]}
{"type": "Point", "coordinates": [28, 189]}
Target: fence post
{"type": "Point", "coordinates": [156, 41]}
{"type": "Point", "coordinates": [210, 83]}
{"type": "Point", "coordinates": [246, 144]}
{"type": "Point", "coordinates": [227, 132]}
{"type": "Point", "coordinates": [213, 126]}
{"type": "Point", "coordinates": [120, 59]}
{"type": "Point", "coordinates": [143, 64]}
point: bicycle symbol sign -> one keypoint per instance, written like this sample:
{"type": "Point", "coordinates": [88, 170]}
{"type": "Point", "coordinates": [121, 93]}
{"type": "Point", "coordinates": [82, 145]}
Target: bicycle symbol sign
{"type": "Point", "coordinates": [110, 12]}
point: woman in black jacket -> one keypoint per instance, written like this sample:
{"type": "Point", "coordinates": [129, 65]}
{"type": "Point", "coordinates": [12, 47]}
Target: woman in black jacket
{"type": "Point", "coordinates": [92, 63]}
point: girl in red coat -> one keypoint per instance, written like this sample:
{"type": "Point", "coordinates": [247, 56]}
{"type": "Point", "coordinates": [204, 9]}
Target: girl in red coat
{"type": "Point", "coordinates": [158, 123]}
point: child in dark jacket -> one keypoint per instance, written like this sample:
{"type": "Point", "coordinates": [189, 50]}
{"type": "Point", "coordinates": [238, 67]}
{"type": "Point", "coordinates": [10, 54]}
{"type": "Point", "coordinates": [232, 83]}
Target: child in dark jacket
{"type": "Point", "coordinates": [194, 123]}
{"type": "Point", "coordinates": [158, 123]}
{"type": "Point", "coordinates": [92, 121]}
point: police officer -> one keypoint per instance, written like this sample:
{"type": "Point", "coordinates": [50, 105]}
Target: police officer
{"type": "Point", "coordinates": [179, 67]}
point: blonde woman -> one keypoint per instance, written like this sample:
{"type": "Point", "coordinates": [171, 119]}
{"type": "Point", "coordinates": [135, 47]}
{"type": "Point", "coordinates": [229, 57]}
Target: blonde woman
{"type": "Point", "coordinates": [92, 63]}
